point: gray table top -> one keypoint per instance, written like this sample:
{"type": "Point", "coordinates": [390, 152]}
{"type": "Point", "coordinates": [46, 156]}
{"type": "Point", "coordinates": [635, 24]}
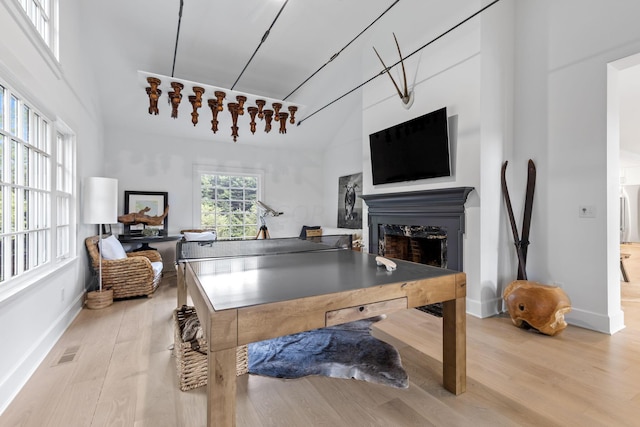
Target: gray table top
{"type": "Point", "coordinates": [232, 283]}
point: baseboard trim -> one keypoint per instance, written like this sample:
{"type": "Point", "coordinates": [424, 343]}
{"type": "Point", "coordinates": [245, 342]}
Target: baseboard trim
{"type": "Point", "coordinates": [483, 309]}
{"type": "Point", "coordinates": [607, 324]}
{"type": "Point", "coordinates": [13, 382]}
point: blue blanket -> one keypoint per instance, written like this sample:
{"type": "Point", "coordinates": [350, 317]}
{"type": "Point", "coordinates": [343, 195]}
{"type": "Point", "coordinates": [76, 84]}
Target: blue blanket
{"type": "Point", "coordinates": [343, 351]}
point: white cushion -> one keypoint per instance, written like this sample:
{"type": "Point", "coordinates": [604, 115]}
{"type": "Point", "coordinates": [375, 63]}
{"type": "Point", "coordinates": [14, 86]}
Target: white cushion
{"type": "Point", "coordinates": [111, 248]}
{"type": "Point", "coordinates": [157, 268]}
{"type": "Point", "coordinates": [204, 236]}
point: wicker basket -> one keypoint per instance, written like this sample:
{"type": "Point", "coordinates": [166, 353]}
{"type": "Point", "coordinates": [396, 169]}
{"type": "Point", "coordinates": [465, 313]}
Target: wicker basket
{"type": "Point", "coordinates": [191, 364]}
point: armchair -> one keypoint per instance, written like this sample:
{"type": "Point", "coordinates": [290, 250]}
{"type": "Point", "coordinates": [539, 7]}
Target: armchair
{"type": "Point", "coordinates": [135, 274]}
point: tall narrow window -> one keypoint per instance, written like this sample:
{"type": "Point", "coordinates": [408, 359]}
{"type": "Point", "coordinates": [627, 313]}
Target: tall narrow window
{"type": "Point", "coordinates": [43, 16]}
{"type": "Point", "coordinates": [36, 189]}
{"type": "Point", "coordinates": [64, 194]}
{"type": "Point", "coordinates": [228, 203]}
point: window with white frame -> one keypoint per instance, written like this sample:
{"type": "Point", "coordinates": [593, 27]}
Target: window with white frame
{"type": "Point", "coordinates": [227, 203]}
{"type": "Point", "coordinates": [36, 189]}
{"type": "Point", "coordinates": [64, 195]}
{"type": "Point", "coordinates": [43, 15]}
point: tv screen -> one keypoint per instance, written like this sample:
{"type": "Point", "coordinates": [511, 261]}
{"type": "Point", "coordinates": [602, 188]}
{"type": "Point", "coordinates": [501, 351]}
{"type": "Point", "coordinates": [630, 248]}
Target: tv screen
{"type": "Point", "coordinates": [416, 149]}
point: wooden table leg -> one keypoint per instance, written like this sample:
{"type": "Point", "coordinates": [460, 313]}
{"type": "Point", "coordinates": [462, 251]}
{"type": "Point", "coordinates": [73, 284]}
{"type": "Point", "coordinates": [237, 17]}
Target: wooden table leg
{"type": "Point", "coordinates": [182, 285]}
{"type": "Point", "coordinates": [221, 389]}
{"type": "Point", "coordinates": [454, 345]}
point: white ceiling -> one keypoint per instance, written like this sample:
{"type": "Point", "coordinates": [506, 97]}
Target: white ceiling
{"type": "Point", "coordinates": [216, 40]}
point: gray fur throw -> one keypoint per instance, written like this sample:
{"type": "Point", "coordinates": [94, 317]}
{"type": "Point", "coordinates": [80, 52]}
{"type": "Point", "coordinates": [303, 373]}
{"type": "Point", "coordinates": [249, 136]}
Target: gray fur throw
{"type": "Point", "coordinates": [343, 351]}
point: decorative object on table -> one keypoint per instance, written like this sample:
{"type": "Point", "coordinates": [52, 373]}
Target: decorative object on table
{"type": "Point", "coordinates": [521, 242]}
{"type": "Point", "coordinates": [150, 232]}
{"type": "Point", "coordinates": [143, 209]}
{"type": "Point", "coordinates": [190, 347]}
{"type": "Point", "coordinates": [538, 306]}
{"type": "Point", "coordinates": [349, 201]}
{"type": "Point", "coordinates": [100, 207]}
{"type": "Point", "coordinates": [125, 274]}
{"type": "Point", "coordinates": [405, 96]}
{"type": "Point", "coordinates": [343, 351]}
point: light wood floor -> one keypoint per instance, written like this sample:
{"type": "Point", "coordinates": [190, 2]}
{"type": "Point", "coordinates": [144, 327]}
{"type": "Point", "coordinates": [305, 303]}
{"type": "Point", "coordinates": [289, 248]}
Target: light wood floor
{"type": "Point", "coordinates": [123, 375]}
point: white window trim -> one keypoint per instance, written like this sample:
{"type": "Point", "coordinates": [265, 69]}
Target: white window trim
{"type": "Point", "coordinates": [22, 283]}
{"type": "Point", "coordinates": [31, 278]}
{"type": "Point", "coordinates": [61, 127]}
{"type": "Point", "coordinates": [212, 169]}
{"type": "Point", "coordinates": [46, 52]}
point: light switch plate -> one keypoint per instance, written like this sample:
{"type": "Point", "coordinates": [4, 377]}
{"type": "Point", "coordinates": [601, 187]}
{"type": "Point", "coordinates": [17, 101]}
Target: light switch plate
{"type": "Point", "coordinates": [587, 211]}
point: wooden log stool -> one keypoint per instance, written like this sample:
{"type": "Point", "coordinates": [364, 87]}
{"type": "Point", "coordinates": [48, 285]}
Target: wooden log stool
{"type": "Point", "coordinates": [538, 306]}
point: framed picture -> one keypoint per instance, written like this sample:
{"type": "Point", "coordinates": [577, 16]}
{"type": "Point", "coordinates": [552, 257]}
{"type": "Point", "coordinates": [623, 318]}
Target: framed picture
{"type": "Point", "coordinates": [151, 203]}
{"type": "Point", "coordinates": [349, 201]}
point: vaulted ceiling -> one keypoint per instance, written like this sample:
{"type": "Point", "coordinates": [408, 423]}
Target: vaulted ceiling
{"type": "Point", "coordinates": [216, 41]}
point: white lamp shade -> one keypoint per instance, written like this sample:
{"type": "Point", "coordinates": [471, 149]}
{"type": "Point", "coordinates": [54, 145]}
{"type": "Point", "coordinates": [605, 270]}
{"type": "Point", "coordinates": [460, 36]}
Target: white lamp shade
{"type": "Point", "coordinates": [100, 200]}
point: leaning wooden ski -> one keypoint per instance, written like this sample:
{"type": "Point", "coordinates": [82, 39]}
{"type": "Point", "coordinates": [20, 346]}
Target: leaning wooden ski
{"type": "Point", "coordinates": [526, 221]}
{"type": "Point", "coordinates": [522, 273]}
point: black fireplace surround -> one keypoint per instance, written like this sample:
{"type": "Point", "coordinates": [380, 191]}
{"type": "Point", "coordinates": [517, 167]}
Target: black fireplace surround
{"type": "Point", "coordinates": [440, 208]}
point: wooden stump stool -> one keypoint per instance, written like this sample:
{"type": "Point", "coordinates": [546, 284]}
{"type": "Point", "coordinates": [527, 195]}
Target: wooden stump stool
{"type": "Point", "coordinates": [538, 306]}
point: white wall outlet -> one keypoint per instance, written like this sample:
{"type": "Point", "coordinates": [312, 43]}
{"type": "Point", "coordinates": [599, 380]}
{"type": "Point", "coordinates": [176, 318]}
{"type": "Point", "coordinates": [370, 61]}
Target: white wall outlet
{"type": "Point", "coordinates": [587, 211]}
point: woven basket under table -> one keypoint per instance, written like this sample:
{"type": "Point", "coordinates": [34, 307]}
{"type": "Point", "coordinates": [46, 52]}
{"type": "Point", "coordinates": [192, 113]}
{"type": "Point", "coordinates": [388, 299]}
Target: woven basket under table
{"type": "Point", "coordinates": [192, 364]}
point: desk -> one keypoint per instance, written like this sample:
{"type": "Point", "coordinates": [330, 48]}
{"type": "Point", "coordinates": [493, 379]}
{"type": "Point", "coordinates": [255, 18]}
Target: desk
{"type": "Point", "coordinates": [283, 286]}
{"type": "Point", "coordinates": [145, 240]}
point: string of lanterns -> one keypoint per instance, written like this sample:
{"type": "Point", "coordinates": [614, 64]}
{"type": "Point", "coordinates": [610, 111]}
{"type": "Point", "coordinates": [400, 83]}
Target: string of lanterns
{"type": "Point", "coordinates": [235, 107]}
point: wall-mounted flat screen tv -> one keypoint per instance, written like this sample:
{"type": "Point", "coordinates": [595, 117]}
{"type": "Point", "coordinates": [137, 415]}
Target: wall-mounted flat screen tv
{"type": "Point", "coordinates": [416, 149]}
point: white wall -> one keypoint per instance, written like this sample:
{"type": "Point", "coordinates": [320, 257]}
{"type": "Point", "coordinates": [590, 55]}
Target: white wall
{"type": "Point", "coordinates": [561, 120]}
{"type": "Point", "coordinates": [447, 74]}
{"type": "Point", "coordinates": [555, 114]}
{"type": "Point", "coordinates": [33, 319]}
{"type": "Point", "coordinates": [293, 178]}
{"type": "Point", "coordinates": [343, 157]}
{"type": "Point", "coordinates": [631, 231]}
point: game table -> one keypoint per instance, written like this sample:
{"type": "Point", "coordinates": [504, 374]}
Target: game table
{"type": "Point", "coordinates": [253, 290]}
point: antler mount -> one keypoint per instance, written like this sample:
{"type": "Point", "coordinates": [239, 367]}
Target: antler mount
{"type": "Point", "coordinates": [406, 96]}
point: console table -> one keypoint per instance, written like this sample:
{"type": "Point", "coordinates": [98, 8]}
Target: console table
{"type": "Point", "coordinates": [145, 240]}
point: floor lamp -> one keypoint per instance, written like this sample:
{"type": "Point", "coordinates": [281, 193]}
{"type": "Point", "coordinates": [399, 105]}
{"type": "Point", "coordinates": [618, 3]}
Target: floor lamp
{"type": "Point", "coordinates": [100, 207]}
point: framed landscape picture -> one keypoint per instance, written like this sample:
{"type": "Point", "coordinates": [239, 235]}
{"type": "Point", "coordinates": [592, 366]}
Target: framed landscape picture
{"type": "Point", "coordinates": [349, 201]}
{"type": "Point", "coordinates": [153, 203]}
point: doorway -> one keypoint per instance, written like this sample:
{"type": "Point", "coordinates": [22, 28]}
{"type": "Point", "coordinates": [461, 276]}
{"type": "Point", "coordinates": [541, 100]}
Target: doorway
{"type": "Point", "coordinates": [624, 148]}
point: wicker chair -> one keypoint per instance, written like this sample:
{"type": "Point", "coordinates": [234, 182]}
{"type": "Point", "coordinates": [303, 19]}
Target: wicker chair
{"type": "Point", "coordinates": [128, 277]}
